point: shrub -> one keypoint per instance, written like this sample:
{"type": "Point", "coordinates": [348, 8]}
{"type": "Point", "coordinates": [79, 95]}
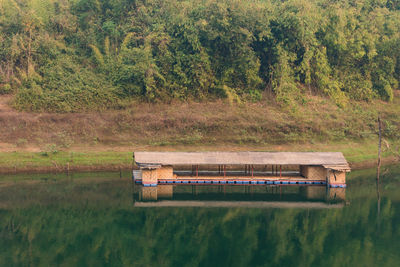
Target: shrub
{"type": "Point", "coordinates": [66, 87]}
{"type": "Point", "coordinates": [5, 89]}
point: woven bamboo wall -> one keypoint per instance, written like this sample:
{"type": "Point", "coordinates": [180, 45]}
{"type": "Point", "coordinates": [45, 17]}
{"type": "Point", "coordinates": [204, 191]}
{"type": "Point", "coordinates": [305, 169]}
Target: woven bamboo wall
{"type": "Point", "coordinates": [336, 177]}
{"type": "Point", "coordinates": [152, 176]}
{"type": "Point", "coordinates": [313, 172]}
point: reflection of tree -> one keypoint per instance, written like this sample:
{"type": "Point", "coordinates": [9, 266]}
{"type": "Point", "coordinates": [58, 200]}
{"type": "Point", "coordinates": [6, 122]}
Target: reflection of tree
{"type": "Point", "coordinates": [94, 224]}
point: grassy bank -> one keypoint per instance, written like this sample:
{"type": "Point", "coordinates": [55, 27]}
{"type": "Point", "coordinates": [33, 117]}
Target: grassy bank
{"type": "Point", "coordinates": [63, 161]}
{"type": "Point", "coordinates": [359, 155]}
{"type": "Point", "coordinates": [106, 140]}
{"type": "Point", "coordinates": [318, 120]}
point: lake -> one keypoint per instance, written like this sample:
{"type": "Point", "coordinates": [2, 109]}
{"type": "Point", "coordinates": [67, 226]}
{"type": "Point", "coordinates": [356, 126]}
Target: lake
{"type": "Point", "coordinates": [100, 219]}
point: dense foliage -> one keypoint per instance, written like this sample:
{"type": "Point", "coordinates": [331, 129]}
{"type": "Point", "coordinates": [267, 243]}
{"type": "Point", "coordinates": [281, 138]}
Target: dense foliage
{"type": "Point", "coordinates": [67, 55]}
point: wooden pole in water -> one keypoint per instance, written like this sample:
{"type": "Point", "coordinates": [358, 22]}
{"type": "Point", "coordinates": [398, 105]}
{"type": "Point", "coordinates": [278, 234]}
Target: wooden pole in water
{"type": "Point", "coordinates": [379, 148]}
{"type": "Point", "coordinates": [378, 172]}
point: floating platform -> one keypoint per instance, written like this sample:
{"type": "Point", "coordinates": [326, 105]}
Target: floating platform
{"type": "Point", "coordinates": [235, 181]}
{"type": "Point", "coordinates": [236, 168]}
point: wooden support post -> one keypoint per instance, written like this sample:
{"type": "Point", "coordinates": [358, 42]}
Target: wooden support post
{"type": "Point", "coordinates": [197, 170]}
{"type": "Point", "coordinates": [280, 171]}
{"type": "Point", "coordinates": [379, 149]}
{"type": "Point", "coordinates": [252, 168]}
{"type": "Point", "coordinates": [224, 171]}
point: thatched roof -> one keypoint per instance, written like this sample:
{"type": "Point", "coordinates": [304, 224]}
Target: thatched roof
{"type": "Point", "coordinates": [333, 160]}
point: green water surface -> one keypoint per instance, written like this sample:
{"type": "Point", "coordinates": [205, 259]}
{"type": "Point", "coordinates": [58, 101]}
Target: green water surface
{"type": "Point", "coordinates": [91, 220]}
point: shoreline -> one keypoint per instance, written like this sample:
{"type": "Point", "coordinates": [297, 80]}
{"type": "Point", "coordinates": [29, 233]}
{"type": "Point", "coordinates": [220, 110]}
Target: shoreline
{"type": "Point", "coordinates": [104, 141]}
{"type": "Point", "coordinates": [23, 162]}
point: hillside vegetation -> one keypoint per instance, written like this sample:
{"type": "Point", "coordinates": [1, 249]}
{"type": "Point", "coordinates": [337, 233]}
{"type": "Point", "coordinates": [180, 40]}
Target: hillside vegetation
{"type": "Point", "coordinates": [76, 55]}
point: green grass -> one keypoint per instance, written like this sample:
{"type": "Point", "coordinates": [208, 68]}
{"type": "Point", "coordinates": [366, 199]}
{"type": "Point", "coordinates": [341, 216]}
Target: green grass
{"type": "Point", "coordinates": [355, 152]}
{"type": "Point", "coordinates": [62, 158]}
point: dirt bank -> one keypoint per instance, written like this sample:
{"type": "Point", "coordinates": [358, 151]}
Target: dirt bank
{"type": "Point", "coordinates": [103, 141]}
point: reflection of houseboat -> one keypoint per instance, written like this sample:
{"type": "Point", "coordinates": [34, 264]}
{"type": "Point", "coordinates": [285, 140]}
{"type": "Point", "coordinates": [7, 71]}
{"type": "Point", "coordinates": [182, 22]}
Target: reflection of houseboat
{"type": "Point", "coordinates": [314, 168]}
{"type": "Point", "coordinates": [266, 196]}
